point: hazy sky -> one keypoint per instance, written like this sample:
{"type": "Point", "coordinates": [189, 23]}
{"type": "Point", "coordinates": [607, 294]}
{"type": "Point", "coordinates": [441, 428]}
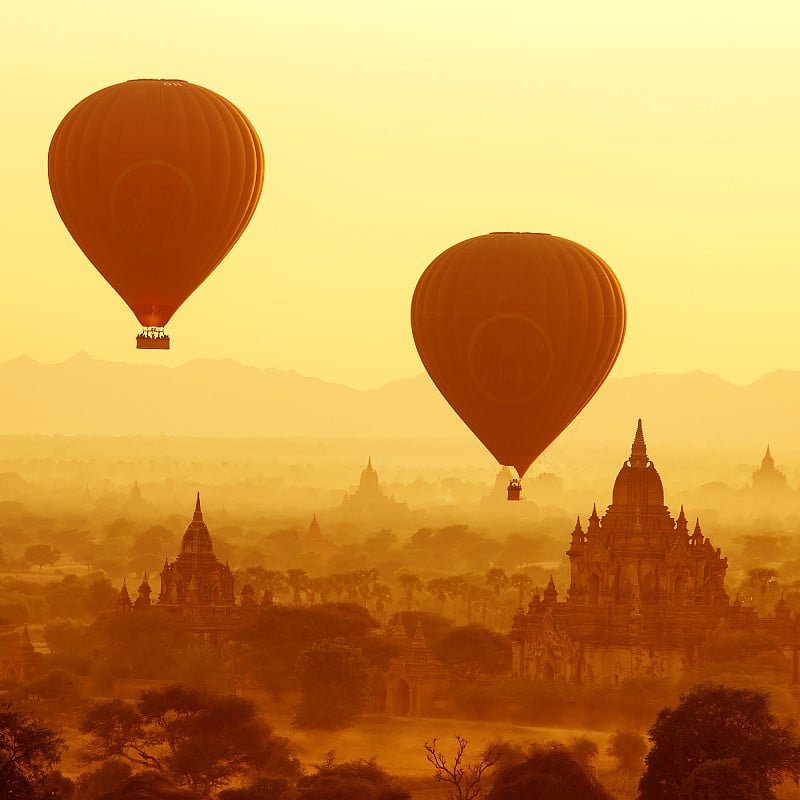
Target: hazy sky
{"type": "Point", "coordinates": [662, 136]}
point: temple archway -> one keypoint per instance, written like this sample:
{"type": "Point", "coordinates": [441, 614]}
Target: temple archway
{"type": "Point", "coordinates": [402, 699]}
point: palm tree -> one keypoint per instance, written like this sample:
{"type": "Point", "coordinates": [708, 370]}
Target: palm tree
{"type": "Point", "coordinates": [382, 595]}
{"type": "Point", "coordinates": [522, 583]}
{"type": "Point", "coordinates": [299, 582]}
{"type": "Point", "coordinates": [762, 578]}
{"type": "Point", "coordinates": [411, 582]}
{"type": "Point", "coordinates": [440, 589]}
{"type": "Point", "coordinates": [455, 589]}
{"type": "Point", "coordinates": [496, 580]}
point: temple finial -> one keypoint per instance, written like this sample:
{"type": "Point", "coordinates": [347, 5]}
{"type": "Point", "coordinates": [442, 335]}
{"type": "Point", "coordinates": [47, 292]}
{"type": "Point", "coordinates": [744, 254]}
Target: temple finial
{"type": "Point", "coordinates": [639, 448]}
{"type": "Point", "coordinates": [198, 512]}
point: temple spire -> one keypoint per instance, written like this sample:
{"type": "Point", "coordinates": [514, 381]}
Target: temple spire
{"type": "Point", "coordinates": [198, 512]}
{"type": "Point", "coordinates": [639, 449]}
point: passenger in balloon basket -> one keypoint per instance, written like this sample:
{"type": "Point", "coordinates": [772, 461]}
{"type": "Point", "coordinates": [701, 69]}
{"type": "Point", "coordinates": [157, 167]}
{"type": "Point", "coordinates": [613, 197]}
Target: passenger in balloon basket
{"type": "Point", "coordinates": [515, 489]}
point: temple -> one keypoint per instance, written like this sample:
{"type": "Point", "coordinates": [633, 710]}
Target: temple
{"type": "Point", "coordinates": [768, 481]}
{"type": "Point", "coordinates": [18, 658]}
{"type": "Point", "coordinates": [369, 502]}
{"type": "Point", "coordinates": [416, 680]}
{"type": "Point", "coordinates": [644, 594]}
{"type": "Point", "coordinates": [196, 586]}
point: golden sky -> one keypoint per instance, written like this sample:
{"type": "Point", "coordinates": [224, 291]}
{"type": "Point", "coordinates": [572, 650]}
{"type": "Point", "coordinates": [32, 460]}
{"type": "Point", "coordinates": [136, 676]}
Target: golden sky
{"type": "Point", "coordinates": [663, 136]}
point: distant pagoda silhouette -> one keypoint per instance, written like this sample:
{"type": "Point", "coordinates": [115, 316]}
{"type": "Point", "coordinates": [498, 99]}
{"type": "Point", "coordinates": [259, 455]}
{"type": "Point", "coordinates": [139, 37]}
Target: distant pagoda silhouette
{"type": "Point", "coordinates": [768, 480]}
{"type": "Point", "coordinates": [369, 502]}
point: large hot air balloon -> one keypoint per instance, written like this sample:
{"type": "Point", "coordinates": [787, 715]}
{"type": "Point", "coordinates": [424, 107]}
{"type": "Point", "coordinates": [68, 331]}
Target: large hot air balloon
{"type": "Point", "coordinates": [518, 331]}
{"type": "Point", "coordinates": [155, 180]}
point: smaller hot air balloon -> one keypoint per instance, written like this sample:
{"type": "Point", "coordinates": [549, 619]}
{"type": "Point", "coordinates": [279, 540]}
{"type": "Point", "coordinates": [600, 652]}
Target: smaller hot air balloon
{"type": "Point", "coordinates": [155, 180]}
{"type": "Point", "coordinates": [518, 331]}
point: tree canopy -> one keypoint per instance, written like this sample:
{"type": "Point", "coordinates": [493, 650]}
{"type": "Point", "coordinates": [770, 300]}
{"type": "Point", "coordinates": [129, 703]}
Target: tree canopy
{"type": "Point", "coordinates": [355, 780]}
{"type": "Point", "coordinates": [718, 723]}
{"type": "Point", "coordinates": [472, 651]}
{"type": "Point", "coordinates": [548, 773]}
{"type": "Point", "coordinates": [334, 681]}
{"type": "Point", "coordinates": [199, 740]}
{"type": "Point", "coordinates": [28, 755]}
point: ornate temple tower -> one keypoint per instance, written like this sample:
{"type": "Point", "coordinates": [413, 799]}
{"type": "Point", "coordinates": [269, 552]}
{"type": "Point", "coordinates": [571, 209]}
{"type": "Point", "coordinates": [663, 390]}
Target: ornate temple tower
{"type": "Point", "coordinates": [196, 576]}
{"type": "Point", "coordinates": [638, 548]}
{"type": "Point", "coordinates": [644, 593]}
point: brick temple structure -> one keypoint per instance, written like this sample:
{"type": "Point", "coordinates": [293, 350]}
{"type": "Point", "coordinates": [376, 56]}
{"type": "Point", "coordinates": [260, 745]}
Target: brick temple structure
{"type": "Point", "coordinates": [416, 680]}
{"type": "Point", "coordinates": [645, 592]}
{"type": "Point", "coordinates": [196, 586]}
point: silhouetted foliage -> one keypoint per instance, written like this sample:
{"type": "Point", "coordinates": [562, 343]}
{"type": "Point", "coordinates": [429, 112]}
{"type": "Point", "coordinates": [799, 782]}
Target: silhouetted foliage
{"type": "Point", "coordinates": [262, 789]}
{"type": "Point", "coordinates": [355, 780]}
{"type": "Point", "coordinates": [57, 686]}
{"type": "Point", "coordinates": [716, 723]}
{"type": "Point", "coordinates": [199, 740]}
{"type": "Point", "coordinates": [41, 554]}
{"type": "Point", "coordinates": [464, 776]}
{"type": "Point", "coordinates": [268, 648]}
{"type": "Point", "coordinates": [584, 750]}
{"type": "Point", "coordinates": [29, 752]}
{"type": "Point", "coordinates": [628, 749]}
{"type": "Point", "coordinates": [141, 645]}
{"type": "Point", "coordinates": [149, 786]}
{"type": "Point", "coordinates": [473, 651]}
{"type": "Point", "coordinates": [719, 780]}
{"type": "Point", "coordinates": [548, 773]}
{"type": "Point", "coordinates": [334, 681]}
{"type": "Point", "coordinates": [105, 779]}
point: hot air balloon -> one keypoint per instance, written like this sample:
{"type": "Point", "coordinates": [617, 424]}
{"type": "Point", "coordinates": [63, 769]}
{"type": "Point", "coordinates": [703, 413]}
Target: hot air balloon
{"type": "Point", "coordinates": [518, 331]}
{"type": "Point", "coordinates": [155, 180]}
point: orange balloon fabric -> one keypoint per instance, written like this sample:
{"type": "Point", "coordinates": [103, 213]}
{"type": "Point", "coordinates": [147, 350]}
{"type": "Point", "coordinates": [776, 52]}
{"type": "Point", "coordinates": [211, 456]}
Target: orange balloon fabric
{"type": "Point", "coordinates": [518, 331]}
{"type": "Point", "coordinates": [155, 180]}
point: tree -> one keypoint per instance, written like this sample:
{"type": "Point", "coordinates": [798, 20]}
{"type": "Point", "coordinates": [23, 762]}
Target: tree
{"type": "Point", "coordinates": [262, 789]}
{"type": "Point", "coordinates": [41, 554]}
{"type": "Point", "coordinates": [549, 773]}
{"type": "Point", "coordinates": [584, 750]}
{"type": "Point", "coordinates": [199, 740]}
{"type": "Point", "coordinates": [299, 583]}
{"type": "Point", "coordinates": [463, 776]}
{"type": "Point", "coordinates": [714, 723]}
{"type": "Point", "coordinates": [440, 589]}
{"type": "Point", "coordinates": [496, 580]}
{"type": "Point", "coordinates": [628, 748]}
{"type": "Point", "coordinates": [718, 780]}
{"type": "Point", "coordinates": [472, 651]}
{"type": "Point", "coordinates": [355, 780]}
{"type": "Point", "coordinates": [382, 595]}
{"type": "Point", "coordinates": [334, 681]}
{"type": "Point", "coordinates": [522, 583]}
{"type": "Point", "coordinates": [268, 647]}
{"type": "Point", "coordinates": [28, 755]}
{"type": "Point", "coordinates": [411, 583]}
{"type": "Point", "coordinates": [762, 579]}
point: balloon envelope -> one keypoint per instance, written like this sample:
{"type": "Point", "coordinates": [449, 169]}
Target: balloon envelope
{"type": "Point", "coordinates": [155, 180]}
{"type": "Point", "coordinates": [518, 331]}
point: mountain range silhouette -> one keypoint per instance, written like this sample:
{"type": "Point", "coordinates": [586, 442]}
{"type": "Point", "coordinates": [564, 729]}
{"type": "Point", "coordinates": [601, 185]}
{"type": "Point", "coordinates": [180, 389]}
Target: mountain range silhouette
{"type": "Point", "coordinates": [86, 396]}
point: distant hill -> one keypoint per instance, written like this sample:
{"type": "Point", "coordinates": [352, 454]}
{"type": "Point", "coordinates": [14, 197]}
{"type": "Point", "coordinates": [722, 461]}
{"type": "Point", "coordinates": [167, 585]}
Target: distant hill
{"type": "Point", "coordinates": [84, 396]}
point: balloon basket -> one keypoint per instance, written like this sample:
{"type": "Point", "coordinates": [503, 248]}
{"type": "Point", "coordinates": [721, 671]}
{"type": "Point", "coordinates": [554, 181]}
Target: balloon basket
{"type": "Point", "coordinates": [152, 339]}
{"type": "Point", "coordinates": [515, 489]}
